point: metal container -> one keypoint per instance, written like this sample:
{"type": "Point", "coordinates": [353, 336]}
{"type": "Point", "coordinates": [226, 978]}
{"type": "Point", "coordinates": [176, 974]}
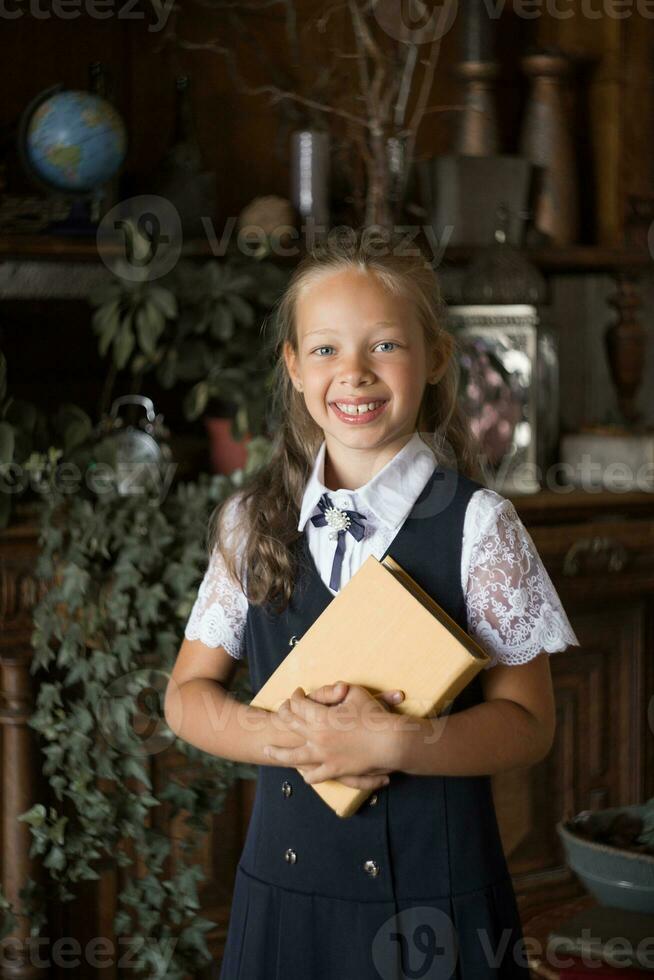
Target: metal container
{"type": "Point", "coordinates": [461, 195]}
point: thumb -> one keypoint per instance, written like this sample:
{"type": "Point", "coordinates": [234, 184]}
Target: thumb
{"type": "Point", "coordinates": [392, 697]}
{"type": "Point", "coordinates": [329, 693]}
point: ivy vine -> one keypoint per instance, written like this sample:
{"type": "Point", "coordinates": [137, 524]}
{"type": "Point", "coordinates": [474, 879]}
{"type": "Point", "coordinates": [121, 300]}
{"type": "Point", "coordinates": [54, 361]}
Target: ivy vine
{"type": "Point", "coordinates": [123, 573]}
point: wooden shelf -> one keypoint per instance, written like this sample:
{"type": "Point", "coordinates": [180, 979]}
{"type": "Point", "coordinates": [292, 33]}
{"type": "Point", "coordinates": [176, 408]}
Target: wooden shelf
{"type": "Point", "coordinates": [576, 258]}
{"type": "Point", "coordinates": [552, 506]}
{"type": "Point", "coordinates": [46, 247]}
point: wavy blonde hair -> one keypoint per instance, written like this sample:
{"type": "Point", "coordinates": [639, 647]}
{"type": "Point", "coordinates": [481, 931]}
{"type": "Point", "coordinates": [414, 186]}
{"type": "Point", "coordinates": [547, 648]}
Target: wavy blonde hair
{"type": "Point", "coordinates": [270, 499]}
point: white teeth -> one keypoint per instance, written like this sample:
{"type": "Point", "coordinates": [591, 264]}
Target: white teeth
{"type": "Point", "coordinates": [358, 409]}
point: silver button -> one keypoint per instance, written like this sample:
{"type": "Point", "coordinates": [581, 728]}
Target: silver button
{"type": "Point", "coordinates": [372, 800]}
{"type": "Point", "coordinates": [290, 856]}
{"type": "Point", "coordinates": [371, 868]}
{"type": "Point", "coordinates": [287, 789]}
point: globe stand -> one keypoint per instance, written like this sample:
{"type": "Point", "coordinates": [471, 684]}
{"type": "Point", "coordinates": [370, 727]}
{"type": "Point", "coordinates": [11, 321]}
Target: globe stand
{"type": "Point", "coordinates": [78, 222]}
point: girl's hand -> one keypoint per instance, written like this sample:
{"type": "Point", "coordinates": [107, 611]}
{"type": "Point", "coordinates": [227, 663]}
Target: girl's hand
{"type": "Point", "coordinates": [332, 694]}
{"type": "Point", "coordinates": [345, 731]}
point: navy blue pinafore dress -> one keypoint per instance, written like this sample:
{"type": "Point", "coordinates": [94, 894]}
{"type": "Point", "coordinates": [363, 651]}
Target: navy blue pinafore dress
{"type": "Point", "coordinates": [415, 884]}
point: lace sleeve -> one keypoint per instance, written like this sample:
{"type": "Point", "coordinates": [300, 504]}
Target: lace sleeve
{"type": "Point", "coordinates": [220, 609]}
{"type": "Point", "coordinates": [513, 609]}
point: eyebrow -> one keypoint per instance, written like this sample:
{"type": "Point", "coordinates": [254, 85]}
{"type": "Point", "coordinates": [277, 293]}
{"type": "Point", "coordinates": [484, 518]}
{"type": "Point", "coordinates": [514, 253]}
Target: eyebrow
{"type": "Point", "coordinates": [380, 323]}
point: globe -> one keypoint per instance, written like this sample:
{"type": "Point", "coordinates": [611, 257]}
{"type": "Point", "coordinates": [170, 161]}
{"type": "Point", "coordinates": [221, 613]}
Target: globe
{"type": "Point", "coordinates": [72, 141]}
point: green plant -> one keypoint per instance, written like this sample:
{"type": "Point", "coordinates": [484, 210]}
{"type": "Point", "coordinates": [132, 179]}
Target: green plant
{"type": "Point", "coordinates": [30, 445]}
{"type": "Point", "coordinates": [124, 572]}
{"type": "Point", "coordinates": [200, 327]}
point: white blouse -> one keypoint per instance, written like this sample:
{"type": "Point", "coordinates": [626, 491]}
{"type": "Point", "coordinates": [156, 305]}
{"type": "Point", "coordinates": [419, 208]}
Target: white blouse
{"type": "Point", "coordinates": [513, 610]}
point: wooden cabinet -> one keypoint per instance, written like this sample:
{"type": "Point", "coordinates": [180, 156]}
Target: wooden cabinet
{"type": "Point", "coordinates": [599, 552]}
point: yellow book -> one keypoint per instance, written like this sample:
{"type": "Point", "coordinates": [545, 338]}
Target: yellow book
{"type": "Point", "coordinates": [381, 631]}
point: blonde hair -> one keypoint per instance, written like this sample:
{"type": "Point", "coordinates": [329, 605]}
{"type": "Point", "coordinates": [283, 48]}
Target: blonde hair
{"type": "Point", "coordinates": [270, 499]}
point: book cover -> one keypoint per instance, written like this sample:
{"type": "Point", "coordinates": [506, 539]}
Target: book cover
{"type": "Point", "coordinates": [381, 631]}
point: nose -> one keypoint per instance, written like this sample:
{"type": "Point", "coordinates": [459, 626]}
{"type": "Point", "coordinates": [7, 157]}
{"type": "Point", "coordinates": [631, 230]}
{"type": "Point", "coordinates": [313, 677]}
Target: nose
{"type": "Point", "coordinates": [355, 371]}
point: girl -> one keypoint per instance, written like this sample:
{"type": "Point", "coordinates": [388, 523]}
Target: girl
{"type": "Point", "coordinates": [415, 884]}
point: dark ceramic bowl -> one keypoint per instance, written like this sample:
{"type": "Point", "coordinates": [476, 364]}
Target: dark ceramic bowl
{"type": "Point", "coordinates": [615, 877]}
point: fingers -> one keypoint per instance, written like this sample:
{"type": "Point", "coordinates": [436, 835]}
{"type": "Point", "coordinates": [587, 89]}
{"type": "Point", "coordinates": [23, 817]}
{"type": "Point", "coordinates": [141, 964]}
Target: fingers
{"type": "Point", "coordinates": [365, 782]}
{"type": "Point", "coordinates": [330, 693]}
{"type": "Point", "coordinates": [305, 771]}
{"type": "Point", "coordinates": [320, 773]}
{"type": "Point", "coordinates": [315, 774]}
{"type": "Point", "coordinates": [286, 714]}
{"type": "Point", "coordinates": [284, 756]}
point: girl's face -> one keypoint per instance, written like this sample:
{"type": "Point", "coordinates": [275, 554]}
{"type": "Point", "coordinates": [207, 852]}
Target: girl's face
{"type": "Point", "coordinates": [358, 343]}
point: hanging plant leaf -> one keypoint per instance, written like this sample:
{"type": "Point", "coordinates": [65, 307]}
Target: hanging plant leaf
{"type": "Point", "coordinates": [106, 323]}
{"type": "Point", "coordinates": [73, 426]}
{"type": "Point", "coordinates": [243, 311]}
{"type": "Point", "coordinates": [241, 421]}
{"type": "Point", "coordinates": [167, 369]}
{"type": "Point", "coordinates": [196, 400]}
{"type": "Point", "coordinates": [164, 300]}
{"type": "Point", "coordinates": [150, 322]}
{"type": "Point", "coordinates": [222, 323]}
{"type": "Point", "coordinates": [124, 342]}
{"type": "Point", "coordinates": [240, 282]}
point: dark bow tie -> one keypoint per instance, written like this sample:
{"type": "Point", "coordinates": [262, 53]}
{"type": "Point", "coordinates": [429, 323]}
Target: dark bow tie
{"type": "Point", "coordinates": [339, 521]}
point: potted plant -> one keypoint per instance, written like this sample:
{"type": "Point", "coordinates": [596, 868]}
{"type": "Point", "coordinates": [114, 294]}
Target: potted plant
{"type": "Point", "coordinates": [200, 327]}
{"type": "Point", "coordinates": [225, 305]}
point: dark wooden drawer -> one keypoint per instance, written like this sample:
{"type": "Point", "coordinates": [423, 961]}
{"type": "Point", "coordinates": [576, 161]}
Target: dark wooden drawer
{"type": "Point", "coordinates": [612, 556]}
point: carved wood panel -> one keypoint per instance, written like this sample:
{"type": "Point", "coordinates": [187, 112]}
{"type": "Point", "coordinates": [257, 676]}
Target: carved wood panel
{"type": "Point", "coordinates": [598, 756]}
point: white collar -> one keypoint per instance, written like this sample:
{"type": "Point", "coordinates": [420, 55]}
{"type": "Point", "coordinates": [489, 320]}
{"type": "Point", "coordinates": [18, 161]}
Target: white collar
{"type": "Point", "coordinates": [389, 495]}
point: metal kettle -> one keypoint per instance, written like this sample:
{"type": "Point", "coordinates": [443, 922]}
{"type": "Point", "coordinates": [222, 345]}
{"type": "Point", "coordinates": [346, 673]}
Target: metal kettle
{"type": "Point", "coordinates": [134, 459]}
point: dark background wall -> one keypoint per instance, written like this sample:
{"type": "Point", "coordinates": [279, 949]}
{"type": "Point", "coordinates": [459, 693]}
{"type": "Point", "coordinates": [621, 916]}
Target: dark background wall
{"type": "Point", "coordinates": [244, 140]}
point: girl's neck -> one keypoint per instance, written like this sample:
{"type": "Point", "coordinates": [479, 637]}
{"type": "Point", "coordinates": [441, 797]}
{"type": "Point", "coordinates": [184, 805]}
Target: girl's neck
{"type": "Point", "coordinates": [351, 469]}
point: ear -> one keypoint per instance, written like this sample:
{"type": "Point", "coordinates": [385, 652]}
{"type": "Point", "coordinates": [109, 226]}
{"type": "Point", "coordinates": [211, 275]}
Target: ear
{"type": "Point", "coordinates": [290, 360]}
{"type": "Point", "coordinates": [441, 357]}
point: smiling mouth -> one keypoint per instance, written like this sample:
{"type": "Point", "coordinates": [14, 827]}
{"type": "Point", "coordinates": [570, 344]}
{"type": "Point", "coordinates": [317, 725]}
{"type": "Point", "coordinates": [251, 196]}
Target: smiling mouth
{"type": "Point", "coordinates": [359, 413]}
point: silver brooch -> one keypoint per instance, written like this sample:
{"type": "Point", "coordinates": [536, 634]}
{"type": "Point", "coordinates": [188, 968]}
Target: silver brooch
{"type": "Point", "coordinates": [338, 520]}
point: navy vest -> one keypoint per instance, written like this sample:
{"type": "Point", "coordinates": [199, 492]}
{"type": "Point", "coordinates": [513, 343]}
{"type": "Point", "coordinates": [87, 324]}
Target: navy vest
{"type": "Point", "coordinates": [420, 837]}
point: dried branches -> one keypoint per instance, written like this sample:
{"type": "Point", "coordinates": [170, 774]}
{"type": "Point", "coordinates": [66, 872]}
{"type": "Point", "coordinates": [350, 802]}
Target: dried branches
{"type": "Point", "coordinates": [390, 79]}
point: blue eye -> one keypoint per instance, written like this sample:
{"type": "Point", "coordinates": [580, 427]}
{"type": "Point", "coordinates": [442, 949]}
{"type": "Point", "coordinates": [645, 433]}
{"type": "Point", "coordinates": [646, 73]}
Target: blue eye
{"type": "Point", "coordinates": [329, 347]}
